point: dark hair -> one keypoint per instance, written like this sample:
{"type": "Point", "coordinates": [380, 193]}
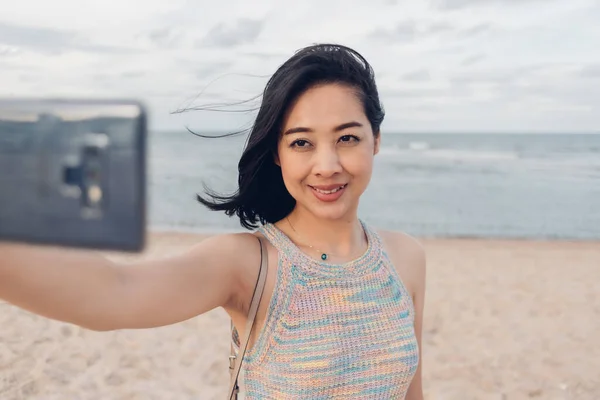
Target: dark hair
{"type": "Point", "coordinates": [261, 195]}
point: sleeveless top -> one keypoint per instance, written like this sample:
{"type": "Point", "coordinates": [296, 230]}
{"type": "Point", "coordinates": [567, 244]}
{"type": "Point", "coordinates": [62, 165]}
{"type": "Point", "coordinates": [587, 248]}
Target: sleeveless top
{"type": "Point", "coordinates": [340, 331]}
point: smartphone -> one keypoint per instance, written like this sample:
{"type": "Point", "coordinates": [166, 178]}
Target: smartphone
{"type": "Point", "coordinates": [73, 173]}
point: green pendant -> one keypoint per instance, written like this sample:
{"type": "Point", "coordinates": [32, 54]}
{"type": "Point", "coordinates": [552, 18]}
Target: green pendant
{"type": "Point", "coordinates": [323, 256]}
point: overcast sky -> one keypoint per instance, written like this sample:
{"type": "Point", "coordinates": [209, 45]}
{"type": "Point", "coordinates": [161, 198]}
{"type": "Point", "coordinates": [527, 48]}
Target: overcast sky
{"type": "Point", "coordinates": [441, 65]}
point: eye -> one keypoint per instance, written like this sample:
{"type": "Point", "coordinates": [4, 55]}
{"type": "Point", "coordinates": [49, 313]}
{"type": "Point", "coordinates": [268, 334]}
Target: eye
{"type": "Point", "coordinates": [349, 139]}
{"type": "Point", "coordinates": [300, 143]}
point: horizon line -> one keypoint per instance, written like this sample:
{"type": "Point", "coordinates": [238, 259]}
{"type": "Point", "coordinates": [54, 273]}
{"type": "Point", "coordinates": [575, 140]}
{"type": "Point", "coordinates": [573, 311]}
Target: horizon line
{"type": "Point", "coordinates": [414, 132]}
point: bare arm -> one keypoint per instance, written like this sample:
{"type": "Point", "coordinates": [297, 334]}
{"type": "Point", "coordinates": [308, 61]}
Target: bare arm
{"type": "Point", "coordinates": [86, 289]}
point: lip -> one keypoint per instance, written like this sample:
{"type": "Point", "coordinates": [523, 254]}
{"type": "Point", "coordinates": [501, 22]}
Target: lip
{"type": "Point", "coordinates": [328, 197]}
{"type": "Point", "coordinates": [328, 187]}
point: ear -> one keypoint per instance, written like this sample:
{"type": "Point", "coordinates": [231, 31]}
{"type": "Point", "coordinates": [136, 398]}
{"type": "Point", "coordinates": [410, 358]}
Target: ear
{"type": "Point", "coordinates": [276, 160]}
{"type": "Point", "coordinates": [377, 143]}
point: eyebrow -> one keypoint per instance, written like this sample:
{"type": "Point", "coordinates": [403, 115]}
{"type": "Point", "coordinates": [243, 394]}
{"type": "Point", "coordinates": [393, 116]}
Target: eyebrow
{"type": "Point", "coordinates": [301, 129]}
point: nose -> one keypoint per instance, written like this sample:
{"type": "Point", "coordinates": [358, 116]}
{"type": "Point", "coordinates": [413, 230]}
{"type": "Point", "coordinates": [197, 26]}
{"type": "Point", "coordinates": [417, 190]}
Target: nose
{"type": "Point", "coordinates": [327, 162]}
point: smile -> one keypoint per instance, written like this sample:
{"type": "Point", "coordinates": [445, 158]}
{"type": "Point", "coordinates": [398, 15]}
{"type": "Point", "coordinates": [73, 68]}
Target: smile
{"type": "Point", "coordinates": [328, 193]}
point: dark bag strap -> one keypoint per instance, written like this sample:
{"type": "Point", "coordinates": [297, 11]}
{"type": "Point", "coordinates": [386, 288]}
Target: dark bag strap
{"type": "Point", "coordinates": [236, 358]}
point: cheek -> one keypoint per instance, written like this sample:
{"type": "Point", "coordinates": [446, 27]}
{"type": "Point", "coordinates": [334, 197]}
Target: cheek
{"type": "Point", "coordinates": [359, 164]}
{"type": "Point", "coordinates": [293, 169]}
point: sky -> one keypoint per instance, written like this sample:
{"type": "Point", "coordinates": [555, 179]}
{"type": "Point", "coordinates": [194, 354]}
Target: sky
{"type": "Point", "coordinates": [441, 65]}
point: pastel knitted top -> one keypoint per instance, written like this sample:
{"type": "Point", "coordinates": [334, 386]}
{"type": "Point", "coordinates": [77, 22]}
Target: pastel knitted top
{"type": "Point", "coordinates": [333, 331]}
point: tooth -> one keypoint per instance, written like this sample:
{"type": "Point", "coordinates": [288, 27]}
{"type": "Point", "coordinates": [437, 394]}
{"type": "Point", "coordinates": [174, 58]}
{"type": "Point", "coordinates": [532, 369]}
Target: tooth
{"type": "Point", "coordinates": [330, 191]}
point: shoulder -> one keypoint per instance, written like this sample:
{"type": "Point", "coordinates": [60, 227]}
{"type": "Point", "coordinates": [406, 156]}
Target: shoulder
{"type": "Point", "coordinates": [237, 257]}
{"type": "Point", "coordinates": [408, 256]}
{"type": "Point", "coordinates": [233, 254]}
{"type": "Point", "coordinates": [226, 240]}
{"type": "Point", "coordinates": [403, 243]}
{"type": "Point", "coordinates": [237, 249]}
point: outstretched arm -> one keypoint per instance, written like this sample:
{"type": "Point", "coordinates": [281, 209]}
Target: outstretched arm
{"type": "Point", "coordinates": [87, 289]}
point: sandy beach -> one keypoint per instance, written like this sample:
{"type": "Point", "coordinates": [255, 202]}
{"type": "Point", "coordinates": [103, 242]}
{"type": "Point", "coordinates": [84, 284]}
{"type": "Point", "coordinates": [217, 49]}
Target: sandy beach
{"type": "Point", "coordinates": [504, 320]}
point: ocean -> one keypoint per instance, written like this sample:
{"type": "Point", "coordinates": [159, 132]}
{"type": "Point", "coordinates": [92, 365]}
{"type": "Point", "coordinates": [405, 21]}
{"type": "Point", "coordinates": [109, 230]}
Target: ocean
{"type": "Point", "coordinates": [521, 186]}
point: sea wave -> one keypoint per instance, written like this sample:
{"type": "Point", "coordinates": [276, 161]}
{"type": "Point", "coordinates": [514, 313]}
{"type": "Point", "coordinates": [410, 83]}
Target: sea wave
{"type": "Point", "coordinates": [424, 150]}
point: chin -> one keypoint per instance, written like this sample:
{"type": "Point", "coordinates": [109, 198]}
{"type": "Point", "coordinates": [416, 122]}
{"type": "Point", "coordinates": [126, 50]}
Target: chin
{"type": "Point", "coordinates": [331, 212]}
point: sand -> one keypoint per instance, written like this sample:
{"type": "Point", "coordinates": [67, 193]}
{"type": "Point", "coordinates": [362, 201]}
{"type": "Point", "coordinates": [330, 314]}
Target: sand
{"type": "Point", "coordinates": [503, 320]}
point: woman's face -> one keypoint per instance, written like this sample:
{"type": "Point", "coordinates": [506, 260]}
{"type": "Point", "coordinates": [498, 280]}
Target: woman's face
{"type": "Point", "coordinates": [326, 151]}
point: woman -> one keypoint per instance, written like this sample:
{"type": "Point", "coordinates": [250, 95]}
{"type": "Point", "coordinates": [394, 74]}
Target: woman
{"type": "Point", "coordinates": [341, 314]}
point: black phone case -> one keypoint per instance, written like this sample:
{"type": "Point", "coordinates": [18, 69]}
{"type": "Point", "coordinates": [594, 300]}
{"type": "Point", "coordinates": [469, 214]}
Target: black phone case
{"type": "Point", "coordinates": [73, 173]}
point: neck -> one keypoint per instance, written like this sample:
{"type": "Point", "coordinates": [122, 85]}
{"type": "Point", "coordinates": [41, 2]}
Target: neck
{"type": "Point", "coordinates": [340, 239]}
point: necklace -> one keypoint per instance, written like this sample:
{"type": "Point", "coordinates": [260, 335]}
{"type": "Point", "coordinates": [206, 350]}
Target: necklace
{"type": "Point", "coordinates": [323, 254]}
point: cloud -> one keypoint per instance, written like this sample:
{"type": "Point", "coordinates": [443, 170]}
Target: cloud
{"type": "Point", "coordinates": [167, 37]}
{"type": "Point", "coordinates": [590, 71]}
{"type": "Point", "coordinates": [483, 77]}
{"type": "Point", "coordinates": [507, 75]}
{"type": "Point", "coordinates": [244, 31]}
{"type": "Point", "coordinates": [417, 75]}
{"type": "Point", "coordinates": [538, 89]}
{"type": "Point", "coordinates": [418, 93]}
{"type": "Point", "coordinates": [7, 51]}
{"type": "Point", "coordinates": [210, 69]}
{"type": "Point", "coordinates": [266, 55]}
{"type": "Point", "coordinates": [40, 39]}
{"type": "Point", "coordinates": [405, 31]}
{"type": "Point", "coordinates": [476, 29]}
{"type": "Point", "coordinates": [563, 97]}
{"type": "Point", "coordinates": [49, 40]}
{"type": "Point", "coordinates": [473, 59]}
{"type": "Point", "coordinates": [440, 64]}
{"type": "Point", "coordinates": [410, 31]}
{"type": "Point", "coordinates": [461, 4]}
{"type": "Point", "coordinates": [440, 27]}
{"type": "Point", "coordinates": [133, 74]}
